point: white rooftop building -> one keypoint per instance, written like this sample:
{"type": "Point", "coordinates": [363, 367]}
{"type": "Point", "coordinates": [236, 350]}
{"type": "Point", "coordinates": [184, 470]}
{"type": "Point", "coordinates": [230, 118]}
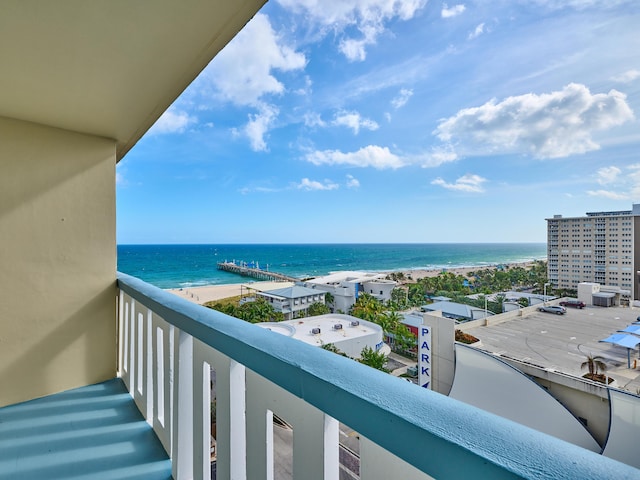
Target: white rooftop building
{"type": "Point", "coordinates": [347, 286]}
{"type": "Point", "coordinates": [348, 334]}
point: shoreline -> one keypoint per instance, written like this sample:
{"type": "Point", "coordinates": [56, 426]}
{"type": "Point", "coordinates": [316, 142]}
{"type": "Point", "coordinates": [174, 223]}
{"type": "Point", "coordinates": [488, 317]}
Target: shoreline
{"type": "Point", "coordinates": [209, 293]}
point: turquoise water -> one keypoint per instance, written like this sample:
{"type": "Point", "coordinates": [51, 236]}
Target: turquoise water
{"type": "Point", "coordinates": [175, 266]}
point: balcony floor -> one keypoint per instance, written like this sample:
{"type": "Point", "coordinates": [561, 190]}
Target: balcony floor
{"type": "Point", "coordinates": [89, 432]}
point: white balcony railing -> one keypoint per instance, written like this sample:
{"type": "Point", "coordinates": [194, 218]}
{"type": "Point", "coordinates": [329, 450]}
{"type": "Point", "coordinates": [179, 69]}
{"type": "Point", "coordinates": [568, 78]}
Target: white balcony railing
{"type": "Point", "coordinates": [168, 346]}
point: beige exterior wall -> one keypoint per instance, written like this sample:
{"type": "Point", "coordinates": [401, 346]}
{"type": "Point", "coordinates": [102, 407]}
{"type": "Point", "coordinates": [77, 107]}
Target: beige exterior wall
{"type": "Point", "coordinates": [58, 258]}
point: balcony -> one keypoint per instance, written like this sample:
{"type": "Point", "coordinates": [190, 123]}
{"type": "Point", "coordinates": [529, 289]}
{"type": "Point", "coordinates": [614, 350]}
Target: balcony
{"type": "Point", "coordinates": [167, 350]}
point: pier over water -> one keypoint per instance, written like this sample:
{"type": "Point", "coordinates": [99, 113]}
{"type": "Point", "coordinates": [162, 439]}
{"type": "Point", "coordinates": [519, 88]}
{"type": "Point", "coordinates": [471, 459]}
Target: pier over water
{"type": "Point", "coordinates": [254, 271]}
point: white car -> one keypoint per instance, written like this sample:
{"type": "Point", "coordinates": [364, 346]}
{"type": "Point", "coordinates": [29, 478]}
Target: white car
{"type": "Point", "coordinates": [557, 309]}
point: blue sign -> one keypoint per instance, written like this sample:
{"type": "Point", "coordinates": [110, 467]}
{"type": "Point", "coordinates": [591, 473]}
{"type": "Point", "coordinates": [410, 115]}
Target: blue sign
{"type": "Point", "coordinates": [424, 356]}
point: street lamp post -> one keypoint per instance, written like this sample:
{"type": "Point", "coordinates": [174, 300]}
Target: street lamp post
{"type": "Point", "coordinates": [545, 292]}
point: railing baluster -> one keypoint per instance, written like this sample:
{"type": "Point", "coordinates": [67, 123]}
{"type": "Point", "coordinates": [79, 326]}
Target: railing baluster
{"type": "Point", "coordinates": [201, 411]}
{"type": "Point", "coordinates": [144, 365]}
{"type": "Point", "coordinates": [162, 377]}
{"type": "Point", "coordinates": [183, 408]}
{"type": "Point", "coordinates": [120, 326]}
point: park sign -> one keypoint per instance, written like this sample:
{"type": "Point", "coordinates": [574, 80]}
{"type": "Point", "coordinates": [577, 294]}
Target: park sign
{"type": "Point", "coordinates": [424, 357]}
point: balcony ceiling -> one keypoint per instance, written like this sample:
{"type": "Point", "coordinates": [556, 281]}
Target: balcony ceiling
{"type": "Point", "coordinates": [108, 67]}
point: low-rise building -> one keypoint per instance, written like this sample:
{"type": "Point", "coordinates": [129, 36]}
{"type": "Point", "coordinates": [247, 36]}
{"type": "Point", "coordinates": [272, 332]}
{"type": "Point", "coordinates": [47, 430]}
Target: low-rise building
{"type": "Point", "coordinates": [345, 287]}
{"type": "Point", "coordinates": [292, 301]}
{"type": "Point", "coordinates": [348, 334]}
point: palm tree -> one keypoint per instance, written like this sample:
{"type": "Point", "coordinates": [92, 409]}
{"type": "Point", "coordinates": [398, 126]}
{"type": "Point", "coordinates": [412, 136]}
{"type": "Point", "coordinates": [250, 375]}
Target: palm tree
{"type": "Point", "coordinates": [594, 364]}
{"type": "Point", "coordinates": [374, 359]}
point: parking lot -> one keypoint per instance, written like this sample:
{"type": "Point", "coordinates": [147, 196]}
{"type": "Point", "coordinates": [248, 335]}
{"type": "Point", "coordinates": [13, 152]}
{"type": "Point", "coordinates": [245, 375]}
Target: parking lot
{"type": "Point", "coordinates": [562, 342]}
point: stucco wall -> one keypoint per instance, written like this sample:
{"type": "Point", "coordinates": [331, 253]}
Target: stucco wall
{"type": "Point", "coordinates": [58, 260]}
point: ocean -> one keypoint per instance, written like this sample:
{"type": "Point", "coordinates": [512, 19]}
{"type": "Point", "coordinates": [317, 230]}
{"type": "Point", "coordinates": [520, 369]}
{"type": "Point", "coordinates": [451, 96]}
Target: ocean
{"type": "Point", "coordinates": [180, 266]}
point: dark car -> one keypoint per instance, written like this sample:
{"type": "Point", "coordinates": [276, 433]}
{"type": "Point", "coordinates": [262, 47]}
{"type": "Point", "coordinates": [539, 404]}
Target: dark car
{"type": "Point", "coordinates": [572, 303]}
{"type": "Point", "coordinates": [558, 310]}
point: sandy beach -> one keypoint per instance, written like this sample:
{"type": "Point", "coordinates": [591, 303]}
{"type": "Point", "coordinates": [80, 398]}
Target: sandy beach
{"type": "Point", "coordinates": [207, 293]}
{"type": "Point", "coordinates": [210, 293]}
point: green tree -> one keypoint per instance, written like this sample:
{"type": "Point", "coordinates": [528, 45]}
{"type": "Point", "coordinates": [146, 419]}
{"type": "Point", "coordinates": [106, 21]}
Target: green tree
{"type": "Point", "coordinates": [399, 297]}
{"type": "Point", "coordinates": [403, 339]}
{"type": "Point", "coordinates": [253, 312]}
{"type": "Point", "coordinates": [367, 307]}
{"type": "Point", "coordinates": [373, 359]}
{"type": "Point", "coordinates": [317, 308]}
{"type": "Point", "coordinates": [329, 299]}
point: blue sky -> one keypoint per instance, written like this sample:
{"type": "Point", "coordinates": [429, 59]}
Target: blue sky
{"type": "Point", "coordinates": [396, 121]}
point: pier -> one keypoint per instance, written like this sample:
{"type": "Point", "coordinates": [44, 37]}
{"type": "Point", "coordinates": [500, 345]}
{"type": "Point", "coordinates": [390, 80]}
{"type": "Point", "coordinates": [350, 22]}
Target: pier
{"type": "Point", "coordinates": [253, 270]}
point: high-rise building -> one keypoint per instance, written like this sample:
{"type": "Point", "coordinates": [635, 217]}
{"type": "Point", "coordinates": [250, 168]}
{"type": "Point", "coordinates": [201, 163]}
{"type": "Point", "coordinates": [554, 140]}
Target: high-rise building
{"type": "Point", "coordinates": [598, 247]}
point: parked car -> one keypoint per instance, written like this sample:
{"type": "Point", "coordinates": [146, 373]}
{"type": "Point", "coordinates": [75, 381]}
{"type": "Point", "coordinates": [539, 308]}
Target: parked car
{"type": "Point", "coordinates": [557, 309]}
{"type": "Point", "coordinates": [572, 303]}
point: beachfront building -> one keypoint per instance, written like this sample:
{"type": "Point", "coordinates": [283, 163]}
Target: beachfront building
{"type": "Point", "coordinates": [292, 301]}
{"type": "Point", "coordinates": [124, 367]}
{"type": "Point", "coordinates": [346, 286]}
{"type": "Point", "coordinates": [457, 311]}
{"type": "Point", "coordinates": [597, 248]}
{"type": "Point", "coordinates": [348, 334]}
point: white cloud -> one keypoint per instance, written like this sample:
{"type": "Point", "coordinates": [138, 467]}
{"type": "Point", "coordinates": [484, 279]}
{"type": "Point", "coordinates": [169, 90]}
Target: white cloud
{"type": "Point", "coordinates": [306, 89]}
{"type": "Point", "coordinates": [352, 182]}
{"type": "Point", "coordinates": [453, 11]}
{"type": "Point", "coordinates": [313, 119]}
{"type": "Point", "coordinates": [580, 4]}
{"type": "Point", "coordinates": [402, 98]}
{"type": "Point", "coordinates": [467, 183]}
{"type": "Point", "coordinates": [374, 156]}
{"type": "Point", "coordinates": [627, 77]}
{"type": "Point", "coordinates": [258, 125]}
{"type": "Point", "coordinates": [607, 175]}
{"type": "Point", "coordinates": [310, 185]}
{"type": "Point", "coordinates": [436, 157]}
{"type": "Point", "coordinates": [243, 71]}
{"type": "Point", "coordinates": [172, 121]}
{"type": "Point", "coordinates": [366, 16]}
{"type": "Point", "coordinates": [354, 121]}
{"type": "Point", "coordinates": [551, 125]}
{"type": "Point", "coordinates": [607, 194]}
{"type": "Point", "coordinates": [354, 50]}
{"type": "Point", "coordinates": [477, 32]}
{"type": "Point", "coordinates": [623, 183]}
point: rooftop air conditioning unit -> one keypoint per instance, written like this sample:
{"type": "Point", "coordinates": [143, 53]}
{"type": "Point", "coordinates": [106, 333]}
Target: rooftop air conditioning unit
{"type": "Point", "coordinates": [315, 331]}
{"type": "Point", "coordinates": [337, 326]}
{"type": "Point", "coordinates": [355, 323]}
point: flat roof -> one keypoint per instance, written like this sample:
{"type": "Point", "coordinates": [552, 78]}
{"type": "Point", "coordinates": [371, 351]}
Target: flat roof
{"type": "Point", "coordinates": [349, 276]}
{"type": "Point", "coordinates": [561, 342]}
{"type": "Point", "coordinates": [295, 291]}
{"type": "Point", "coordinates": [301, 328]}
{"type": "Point", "coordinates": [266, 286]}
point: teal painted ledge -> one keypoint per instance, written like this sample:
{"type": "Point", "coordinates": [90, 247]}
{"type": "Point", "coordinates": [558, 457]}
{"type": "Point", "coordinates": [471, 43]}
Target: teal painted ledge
{"type": "Point", "coordinates": [85, 433]}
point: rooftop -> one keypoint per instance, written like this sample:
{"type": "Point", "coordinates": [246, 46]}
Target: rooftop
{"type": "Point", "coordinates": [561, 342]}
{"type": "Point", "coordinates": [350, 276]}
{"type": "Point", "coordinates": [295, 291]}
{"type": "Point", "coordinates": [301, 329]}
